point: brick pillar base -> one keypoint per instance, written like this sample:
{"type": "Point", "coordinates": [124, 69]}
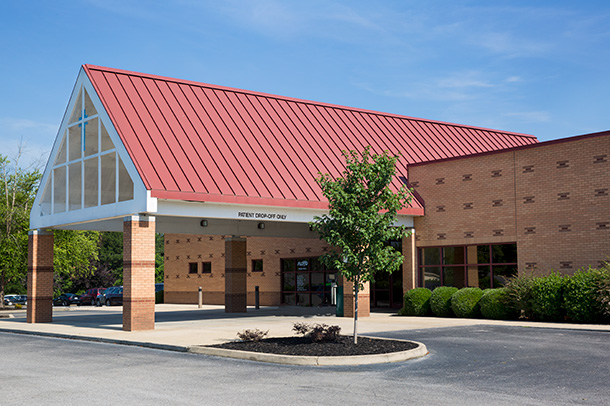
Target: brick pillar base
{"type": "Point", "coordinates": [40, 277]}
{"type": "Point", "coordinates": [349, 303]}
{"type": "Point", "coordinates": [138, 273]}
{"type": "Point", "coordinates": [235, 275]}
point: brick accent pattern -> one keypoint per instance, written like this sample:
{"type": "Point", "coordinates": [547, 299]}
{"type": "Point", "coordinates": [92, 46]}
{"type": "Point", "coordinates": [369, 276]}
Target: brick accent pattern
{"type": "Point", "coordinates": [236, 260]}
{"type": "Point", "coordinates": [555, 203]}
{"type": "Point", "coordinates": [138, 273]}
{"type": "Point", "coordinates": [40, 277]}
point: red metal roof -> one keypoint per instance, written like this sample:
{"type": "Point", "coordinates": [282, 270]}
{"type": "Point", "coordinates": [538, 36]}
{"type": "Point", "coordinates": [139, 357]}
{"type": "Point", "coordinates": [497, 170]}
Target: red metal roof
{"type": "Point", "coordinates": [201, 142]}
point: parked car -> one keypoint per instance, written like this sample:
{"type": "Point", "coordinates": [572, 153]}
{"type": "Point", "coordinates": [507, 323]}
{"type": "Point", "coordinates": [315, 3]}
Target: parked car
{"type": "Point", "coordinates": [114, 296]}
{"type": "Point", "coordinates": [21, 299]}
{"type": "Point", "coordinates": [88, 298]}
{"type": "Point", "coordinates": [101, 299]}
{"type": "Point", "coordinates": [10, 299]}
{"type": "Point", "coordinates": [66, 299]}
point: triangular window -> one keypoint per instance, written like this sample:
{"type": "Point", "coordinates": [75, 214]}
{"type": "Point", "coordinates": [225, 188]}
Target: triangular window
{"type": "Point", "coordinates": [87, 169]}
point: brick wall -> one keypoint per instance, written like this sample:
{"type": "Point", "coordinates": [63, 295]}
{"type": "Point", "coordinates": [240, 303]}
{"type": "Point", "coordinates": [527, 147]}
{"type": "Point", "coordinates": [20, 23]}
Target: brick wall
{"type": "Point", "coordinates": [552, 199]}
{"type": "Point", "coordinates": [181, 249]}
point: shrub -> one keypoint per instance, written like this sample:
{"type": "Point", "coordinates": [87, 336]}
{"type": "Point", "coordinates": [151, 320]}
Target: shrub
{"type": "Point", "coordinates": [252, 335]}
{"type": "Point", "coordinates": [440, 301]}
{"type": "Point", "coordinates": [519, 289]}
{"type": "Point", "coordinates": [581, 296]}
{"type": "Point", "coordinates": [416, 302]}
{"type": "Point", "coordinates": [495, 304]}
{"type": "Point", "coordinates": [465, 302]}
{"type": "Point", "coordinates": [547, 298]}
{"type": "Point", "coordinates": [318, 332]}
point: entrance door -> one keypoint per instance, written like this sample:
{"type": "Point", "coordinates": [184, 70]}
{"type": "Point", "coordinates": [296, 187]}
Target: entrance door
{"type": "Point", "coordinates": [387, 290]}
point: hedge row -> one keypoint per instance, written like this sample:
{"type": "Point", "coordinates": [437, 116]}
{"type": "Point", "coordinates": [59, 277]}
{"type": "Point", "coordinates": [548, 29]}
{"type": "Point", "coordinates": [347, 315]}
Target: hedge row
{"type": "Point", "coordinates": [581, 298]}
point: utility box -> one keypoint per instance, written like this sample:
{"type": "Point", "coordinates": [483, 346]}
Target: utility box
{"type": "Point", "coordinates": [339, 301]}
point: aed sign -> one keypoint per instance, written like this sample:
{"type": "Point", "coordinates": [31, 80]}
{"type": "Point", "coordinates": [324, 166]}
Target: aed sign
{"type": "Point", "coordinates": [261, 216]}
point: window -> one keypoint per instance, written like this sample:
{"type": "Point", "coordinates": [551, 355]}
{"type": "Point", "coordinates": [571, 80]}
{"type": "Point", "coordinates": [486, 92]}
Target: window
{"type": "Point", "coordinates": [206, 267]}
{"type": "Point", "coordinates": [257, 265]}
{"type": "Point", "coordinates": [87, 171]}
{"type": "Point", "coordinates": [306, 282]}
{"type": "Point", "coordinates": [484, 266]}
{"type": "Point", "coordinates": [193, 267]}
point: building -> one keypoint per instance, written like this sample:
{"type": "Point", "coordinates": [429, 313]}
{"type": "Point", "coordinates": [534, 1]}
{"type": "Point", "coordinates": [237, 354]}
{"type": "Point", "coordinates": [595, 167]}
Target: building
{"type": "Point", "coordinates": [228, 176]}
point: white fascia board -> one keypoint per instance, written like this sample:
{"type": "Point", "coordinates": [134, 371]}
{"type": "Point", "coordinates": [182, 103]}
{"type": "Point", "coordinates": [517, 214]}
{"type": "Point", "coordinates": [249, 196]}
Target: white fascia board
{"type": "Point", "coordinates": [179, 208]}
{"type": "Point", "coordinates": [87, 215]}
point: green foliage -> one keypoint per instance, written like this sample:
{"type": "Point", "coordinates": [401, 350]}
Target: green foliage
{"type": "Point", "coordinates": [581, 295]}
{"type": "Point", "coordinates": [17, 192]}
{"type": "Point", "coordinates": [362, 212]}
{"type": "Point", "coordinates": [74, 254]}
{"type": "Point", "coordinates": [520, 290]}
{"type": "Point", "coordinates": [416, 302]}
{"type": "Point", "coordinates": [110, 264]}
{"type": "Point", "coordinates": [440, 302]}
{"type": "Point", "coordinates": [495, 304]}
{"type": "Point", "coordinates": [547, 298]}
{"type": "Point", "coordinates": [465, 302]}
{"type": "Point", "coordinates": [159, 258]}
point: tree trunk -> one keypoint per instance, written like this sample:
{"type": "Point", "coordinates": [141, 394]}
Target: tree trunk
{"type": "Point", "coordinates": [356, 312]}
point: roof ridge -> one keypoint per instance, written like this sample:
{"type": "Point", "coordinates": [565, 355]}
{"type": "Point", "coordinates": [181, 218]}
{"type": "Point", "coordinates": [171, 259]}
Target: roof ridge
{"type": "Point", "coordinates": [297, 100]}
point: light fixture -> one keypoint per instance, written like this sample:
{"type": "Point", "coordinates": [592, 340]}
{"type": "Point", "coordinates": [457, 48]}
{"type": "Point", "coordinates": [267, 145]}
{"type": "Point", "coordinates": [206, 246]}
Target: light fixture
{"type": "Point", "coordinates": [261, 226]}
{"type": "Point", "coordinates": [204, 223]}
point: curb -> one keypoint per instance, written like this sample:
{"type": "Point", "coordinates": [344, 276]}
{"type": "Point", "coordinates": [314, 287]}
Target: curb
{"type": "Point", "coordinates": [166, 347]}
{"type": "Point", "coordinates": [417, 352]}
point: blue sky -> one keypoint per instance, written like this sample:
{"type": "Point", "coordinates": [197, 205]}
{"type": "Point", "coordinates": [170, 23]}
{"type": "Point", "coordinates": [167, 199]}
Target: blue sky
{"type": "Point", "coordinates": [536, 67]}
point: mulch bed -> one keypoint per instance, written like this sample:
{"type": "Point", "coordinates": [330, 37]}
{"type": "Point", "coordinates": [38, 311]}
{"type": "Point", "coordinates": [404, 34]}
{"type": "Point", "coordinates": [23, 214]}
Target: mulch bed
{"type": "Point", "coordinates": [305, 347]}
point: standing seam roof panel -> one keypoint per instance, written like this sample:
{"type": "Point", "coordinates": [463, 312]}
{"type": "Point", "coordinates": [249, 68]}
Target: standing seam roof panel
{"type": "Point", "coordinates": [293, 150]}
{"type": "Point", "coordinates": [146, 125]}
{"type": "Point", "coordinates": [195, 141]}
{"type": "Point", "coordinates": [197, 132]}
{"type": "Point", "coordinates": [244, 125]}
{"type": "Point", "coordinates": [175, 118]}
{"type": "Point", "coordinates": [240, 146]}
{"type": "Point", "coordinates": [263, 121]}
{"type": "Point", "coordinates": [231, 167]}
{"type": "Point", "coordinates": [158, 108]}
{"type": "Point", "coordinates": [324, 144]}
{"type": "Point", "coordinates": [158, 175]}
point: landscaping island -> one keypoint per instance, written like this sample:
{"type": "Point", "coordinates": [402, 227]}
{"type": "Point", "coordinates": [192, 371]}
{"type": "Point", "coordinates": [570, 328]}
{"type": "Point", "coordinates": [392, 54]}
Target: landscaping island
{"type": "Point", "coordinates": [303, 346]}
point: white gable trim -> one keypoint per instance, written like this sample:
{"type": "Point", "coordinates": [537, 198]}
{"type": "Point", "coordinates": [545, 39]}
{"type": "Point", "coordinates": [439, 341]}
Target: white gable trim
{"type": "Point", "coordinates": [141, 201]}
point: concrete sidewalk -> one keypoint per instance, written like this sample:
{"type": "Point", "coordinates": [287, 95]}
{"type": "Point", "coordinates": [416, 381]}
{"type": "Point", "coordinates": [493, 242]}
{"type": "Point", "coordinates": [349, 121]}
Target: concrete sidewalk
{"type": "Point", "coordinates": [179, 327]}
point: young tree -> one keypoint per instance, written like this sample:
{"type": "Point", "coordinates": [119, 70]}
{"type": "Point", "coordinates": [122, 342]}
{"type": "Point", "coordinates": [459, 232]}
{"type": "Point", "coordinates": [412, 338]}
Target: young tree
{"type": "Point", "coordinates": [361, 219]}
{"type": "Point", "coordinates": [18, 189]}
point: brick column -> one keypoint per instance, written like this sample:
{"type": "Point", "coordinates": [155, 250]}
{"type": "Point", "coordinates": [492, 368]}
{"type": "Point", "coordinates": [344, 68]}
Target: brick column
{"type": "Point", "coordinates": [349, 303]}
{"type": "Point", "coordinates": [138, 273]}
{"type": "Point", "coordinates": [409, 265]}
{"type": "Point", "coordinates": [235, 275]}
{"type": "Point", "coordinates": [40, 277]}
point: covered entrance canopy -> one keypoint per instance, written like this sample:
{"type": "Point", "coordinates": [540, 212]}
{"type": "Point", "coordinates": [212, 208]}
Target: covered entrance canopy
{"type": "Point", "coordinates": [143, 154]}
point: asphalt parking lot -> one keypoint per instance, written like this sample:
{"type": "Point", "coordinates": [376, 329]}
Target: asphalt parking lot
{"type": "Point", "coordinates": [467, 365]}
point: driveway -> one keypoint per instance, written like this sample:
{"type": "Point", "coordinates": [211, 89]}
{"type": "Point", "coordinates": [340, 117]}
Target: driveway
{"type": "Point", "coordinates": [468, 365]}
